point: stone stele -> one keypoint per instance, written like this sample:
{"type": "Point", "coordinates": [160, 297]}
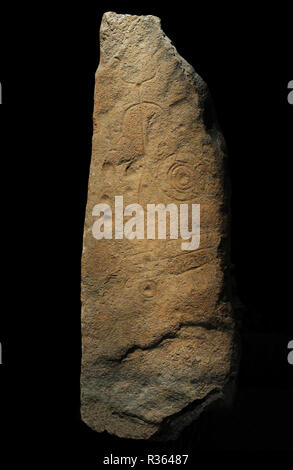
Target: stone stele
{"type": "Point", "coordinates": [158, 331]}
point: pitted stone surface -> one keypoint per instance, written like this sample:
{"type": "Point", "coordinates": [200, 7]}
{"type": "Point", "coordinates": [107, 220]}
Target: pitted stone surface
{"type": "Point", "coordinates": [158, 331]}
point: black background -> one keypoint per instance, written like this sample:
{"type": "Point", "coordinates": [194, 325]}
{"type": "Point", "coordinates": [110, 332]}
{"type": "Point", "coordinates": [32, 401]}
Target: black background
{"type": "Point", "coordinates": [48, 60]}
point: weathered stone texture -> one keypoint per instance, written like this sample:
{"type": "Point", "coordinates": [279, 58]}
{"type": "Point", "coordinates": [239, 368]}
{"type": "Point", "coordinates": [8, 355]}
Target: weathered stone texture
{"type": "Point", "coordinates": [157, 322]}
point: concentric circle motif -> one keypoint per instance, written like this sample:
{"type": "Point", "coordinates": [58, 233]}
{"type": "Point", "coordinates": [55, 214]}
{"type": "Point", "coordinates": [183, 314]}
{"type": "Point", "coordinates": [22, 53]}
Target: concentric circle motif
{"type": "Point", "coordinates": [179, 178]}
{"type": "Point", "coordinates": [148, 289]}
{"type": "Point", "coordinates": [145, 288]}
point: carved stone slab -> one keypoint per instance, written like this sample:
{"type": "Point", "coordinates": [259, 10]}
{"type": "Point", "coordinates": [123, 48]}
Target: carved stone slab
{"type": "Point", "coordinates": [157, 322]}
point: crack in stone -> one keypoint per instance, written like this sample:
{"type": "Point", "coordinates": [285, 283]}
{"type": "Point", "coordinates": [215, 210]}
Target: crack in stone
{"type": "Point", "coordinates": [124, 414]}
{"type": "Point", "coordinates": [164, 337]}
